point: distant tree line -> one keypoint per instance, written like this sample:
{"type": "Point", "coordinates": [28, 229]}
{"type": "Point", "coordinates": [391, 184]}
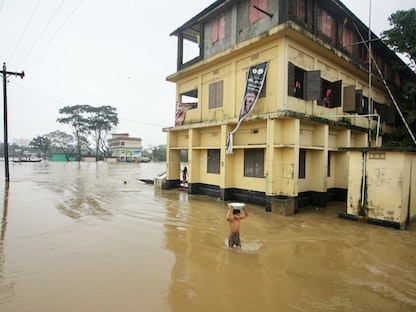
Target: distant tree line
{"type": "Point", "coordinates": [90, 127]}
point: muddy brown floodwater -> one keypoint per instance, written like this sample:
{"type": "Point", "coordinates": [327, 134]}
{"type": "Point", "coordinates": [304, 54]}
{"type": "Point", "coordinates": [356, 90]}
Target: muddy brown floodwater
{"type": "Point", "coordinates": [75, 237]}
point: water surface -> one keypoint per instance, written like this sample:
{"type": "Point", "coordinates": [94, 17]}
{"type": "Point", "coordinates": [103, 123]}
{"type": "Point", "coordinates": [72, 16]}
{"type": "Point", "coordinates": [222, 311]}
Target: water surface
{"type": "Point", "coordinates": [93, 237]}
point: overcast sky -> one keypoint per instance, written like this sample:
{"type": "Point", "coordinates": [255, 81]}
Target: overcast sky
{"type": "Point", "coordinates": [102, 52]}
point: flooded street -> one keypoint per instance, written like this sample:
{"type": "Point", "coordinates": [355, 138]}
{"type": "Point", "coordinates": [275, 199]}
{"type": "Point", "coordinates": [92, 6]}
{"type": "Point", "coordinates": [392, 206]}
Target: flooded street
{"type": "Point", "coordinates": [93, 237]}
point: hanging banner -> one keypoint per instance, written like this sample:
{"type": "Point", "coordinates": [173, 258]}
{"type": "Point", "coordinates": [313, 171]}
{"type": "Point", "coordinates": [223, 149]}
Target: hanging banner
{"type": "Point", "coordinates": [181, 109]}
{"type": "Point", "coordinates": [254, 84]}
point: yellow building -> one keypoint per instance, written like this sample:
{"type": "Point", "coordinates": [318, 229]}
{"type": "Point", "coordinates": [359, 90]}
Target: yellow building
{"type": "Point", "coordinates": [317, 96]}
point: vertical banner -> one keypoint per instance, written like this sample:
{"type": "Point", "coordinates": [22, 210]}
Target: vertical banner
{"type": "Point", "coordinates": [254, 84]}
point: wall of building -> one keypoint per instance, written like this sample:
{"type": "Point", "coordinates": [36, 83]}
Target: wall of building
{"type": "Point", "coordinates": [238, 28]}
{"type": "Point", "coordinates": [281, 124]}
{"type": "Point", "coordinates": [389, 182]}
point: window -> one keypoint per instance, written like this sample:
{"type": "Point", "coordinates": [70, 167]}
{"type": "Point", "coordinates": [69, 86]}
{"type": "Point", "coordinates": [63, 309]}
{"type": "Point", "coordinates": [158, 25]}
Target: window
{"type": "Point", "coordinates": [213, 162]}
{"type": "Point", "coordinates": [363, 108]}
{"type": "Point", "coordinates": [347, 39]}
{"type": "Point", "coordinates": [216, 94]}
{"type": "Point", "coordinates": [354, 101]}
{"type": "Point", "coordinates": [331, 94]}
{"type": "Point", "coordinates": [218, 29]}
{"type": "Point", "coordinates": [254, 13]}
{"type": "Point", "coordinates": [190, 96]}
{"type": "Point", "coordinates": [328, 173]}
{"type": "Point", "coordinates": [326, 24]}
{"type": "Point", "coordinates": [302, 164]}
{"type": "Point", "coordinates": [304, 84]}
{"type": "Point", "coordinates": [254, 163]}
{"type": "Point", "coordinates": [298, 8]}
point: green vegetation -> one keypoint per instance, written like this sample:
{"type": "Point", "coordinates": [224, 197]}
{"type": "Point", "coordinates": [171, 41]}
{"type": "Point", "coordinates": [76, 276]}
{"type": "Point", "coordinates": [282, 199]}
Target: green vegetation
{"type": "Point", "coordinates": [86, 120]}
{"type": "Point", "coordinates": [401, 38]}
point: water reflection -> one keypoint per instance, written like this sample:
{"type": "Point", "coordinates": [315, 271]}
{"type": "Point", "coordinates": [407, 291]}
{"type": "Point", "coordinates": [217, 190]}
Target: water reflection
{"type": "Point", "coordinates": [6, 288]}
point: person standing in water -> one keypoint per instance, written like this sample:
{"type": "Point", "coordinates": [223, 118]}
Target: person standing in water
{"type": "Point", "coordinates": [185, 175]}
{"type": "Point", "coordinates": [234, 237]}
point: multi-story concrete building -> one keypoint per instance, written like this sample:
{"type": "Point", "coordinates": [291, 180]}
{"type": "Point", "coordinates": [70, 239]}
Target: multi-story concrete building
{"type": "Point", "coordinates": [314, 89]}
{"type": "Point", "coordinates": [125, 148]}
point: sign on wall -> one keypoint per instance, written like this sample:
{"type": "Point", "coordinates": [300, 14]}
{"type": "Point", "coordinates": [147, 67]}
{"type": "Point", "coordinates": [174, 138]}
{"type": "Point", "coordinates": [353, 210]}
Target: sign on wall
{"type": "Point", "coordinates": [254, 84]}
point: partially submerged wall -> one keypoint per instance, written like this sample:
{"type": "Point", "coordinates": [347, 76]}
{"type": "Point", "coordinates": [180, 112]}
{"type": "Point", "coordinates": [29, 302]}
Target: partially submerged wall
{"type": "Point", "coordinates": [382, 186]}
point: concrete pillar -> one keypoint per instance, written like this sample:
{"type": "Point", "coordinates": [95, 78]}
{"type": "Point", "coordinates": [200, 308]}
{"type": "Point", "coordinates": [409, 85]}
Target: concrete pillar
{"type": "Point", "coordinates": [283, 205]}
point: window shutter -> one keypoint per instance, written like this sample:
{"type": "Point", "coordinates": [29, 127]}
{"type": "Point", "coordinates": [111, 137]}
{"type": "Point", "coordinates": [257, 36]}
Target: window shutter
{"type": "Point", "coordinates": [215, 31]}
{"type": "Point", "coordinates": [291, 79]}
{"type": "Point", "coordinates": [211, 96]}
{"type": "Point", "coordinates": [349, 99]}
{"type": "Point", "coordinates": [358, 100]}
{"type": "Point", "coordinates": [313, 85]}
{"type": "Point", "coordinates": [219, 93]}
{"type": "Point", "coordinates": [336, 94]}
{"type": "Point", "coordinates": [221, 27]}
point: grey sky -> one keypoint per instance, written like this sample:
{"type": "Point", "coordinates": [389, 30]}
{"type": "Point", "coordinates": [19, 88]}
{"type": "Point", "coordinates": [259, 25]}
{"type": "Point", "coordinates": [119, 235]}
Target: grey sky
{"type": "Point", "coordinates": [102, 52]}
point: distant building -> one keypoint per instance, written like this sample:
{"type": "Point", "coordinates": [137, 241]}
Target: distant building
{"type": "Point", "coordinates": [60, 156]}
{"type": "Point", "coordinates": [302, 67]}
{"type": "Point", "coordinates": [125, 148]}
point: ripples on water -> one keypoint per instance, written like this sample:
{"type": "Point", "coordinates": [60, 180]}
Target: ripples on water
{"type": "Point", "coordinates": [93, 237]}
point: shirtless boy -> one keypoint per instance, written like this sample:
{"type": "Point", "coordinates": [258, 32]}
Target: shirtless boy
{"type": "Point", "coordinates": [234, 238]}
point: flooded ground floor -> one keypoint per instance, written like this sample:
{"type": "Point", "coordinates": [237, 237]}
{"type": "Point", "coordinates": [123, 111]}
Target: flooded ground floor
{"type": "Point", "coordinates": [93, 237]}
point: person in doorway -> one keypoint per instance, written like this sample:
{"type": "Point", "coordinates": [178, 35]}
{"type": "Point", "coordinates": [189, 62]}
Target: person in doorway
{"type": "Point", "coordinates": [234, 237]}
{"type": "Point", "coordinates": [184, 175]}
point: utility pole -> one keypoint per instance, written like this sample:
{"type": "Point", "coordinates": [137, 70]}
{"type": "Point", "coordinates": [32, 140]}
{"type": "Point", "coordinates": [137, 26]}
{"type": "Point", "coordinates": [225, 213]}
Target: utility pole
{"type": "Point", "coordinates": [6, 143]}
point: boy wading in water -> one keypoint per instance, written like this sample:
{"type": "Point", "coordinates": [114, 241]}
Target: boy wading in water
{"type": "Point", "coordinates": [234, 238]}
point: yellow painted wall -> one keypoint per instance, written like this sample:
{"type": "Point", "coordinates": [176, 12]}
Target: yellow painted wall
{"type": "Point", "coordinates": [242, 182]}
{"type": "Point", "coordinates": [354, 182]}
{"type": "Point", "coordinates": [412, 203]}
{"type": "Point", "coordinates": [302, 56]}
{"type": "Point", "coordinates": [385, 186]}
{"type": "Point", "coordinates": [390, 184]}
{"type": "Point", "coordinates": [210, 137]}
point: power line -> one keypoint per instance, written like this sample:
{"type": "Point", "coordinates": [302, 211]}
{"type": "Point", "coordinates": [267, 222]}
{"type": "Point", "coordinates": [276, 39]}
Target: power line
{"type": "Point", "coordinates": [53, 36]}
{"type": "Point", "coordinates": [63, 103]}
{"type": "Point", "coordinates": [42, 32]}
{"type": "Point", "coordinates": [40, 95]}
{"type": "Point", "coordinates": [142, 123]}
{"type": "Point", "coordinates": [24, 31]}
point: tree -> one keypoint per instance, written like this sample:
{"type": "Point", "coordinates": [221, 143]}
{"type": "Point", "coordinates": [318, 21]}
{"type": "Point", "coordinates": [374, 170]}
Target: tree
{"type": "Point", "coordinates": [76, 118]}
{"type": "Point", "coordinates": [86, 120]}
{"type": "Point", "coordinates": [159, 153]}
{"type": "Point", "coordinates": [402, 37]}
{"type": "Point", "coordinates": [64, 142]}
{"type": "Point", "coordinates": [42, 143]}
{"type": "Point", "coordinates": [102, 120]}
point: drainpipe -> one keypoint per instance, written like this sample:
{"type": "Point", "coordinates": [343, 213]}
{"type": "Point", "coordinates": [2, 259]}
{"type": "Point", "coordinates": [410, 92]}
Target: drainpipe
{"type": "Point", "coordinates": [267, 151]}
{"type": "Point", "coordinates": [285, 75]}
{"type": "Point", "coordinates": [363, 185]}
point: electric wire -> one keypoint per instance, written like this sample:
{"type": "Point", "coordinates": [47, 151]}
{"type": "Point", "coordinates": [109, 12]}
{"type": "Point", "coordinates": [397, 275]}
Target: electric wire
{"type": "Point", "coordinates": [66, 104]}
{"type": "Point", "coordinates": [24, 31]}
{"type": "Point", "coordinates": [387, 88]}
{"type": "Point", "coordinates": [42, 32]}
{"type": "Point", "coordinates": [54, 35]}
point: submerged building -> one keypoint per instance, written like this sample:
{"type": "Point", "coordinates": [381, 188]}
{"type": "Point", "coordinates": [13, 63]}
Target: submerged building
{"type": "Point", "coordinates": [125, 148]}
{"type": "Point", "coordinates": [276, 94]}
